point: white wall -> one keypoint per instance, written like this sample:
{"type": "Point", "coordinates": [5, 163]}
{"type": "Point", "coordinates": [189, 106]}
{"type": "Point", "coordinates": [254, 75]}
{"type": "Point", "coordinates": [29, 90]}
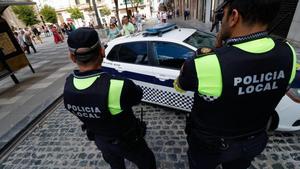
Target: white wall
{"type": "Point", "coordinates": [294, 32]}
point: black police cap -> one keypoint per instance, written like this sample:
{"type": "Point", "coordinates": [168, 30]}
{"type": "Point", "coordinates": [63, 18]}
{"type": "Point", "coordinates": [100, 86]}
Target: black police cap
{"type": "Point", "coordinates": [84, 43]}
{"type": "Point", "coordinates": [223, 4]}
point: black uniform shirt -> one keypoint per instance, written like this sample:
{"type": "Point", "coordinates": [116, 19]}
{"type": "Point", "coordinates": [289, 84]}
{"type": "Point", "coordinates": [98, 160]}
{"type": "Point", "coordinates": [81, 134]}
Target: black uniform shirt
{"type": "Point", "coordinates": [131, 93]}
{"type": "Point", "coordinates": [188, 77]}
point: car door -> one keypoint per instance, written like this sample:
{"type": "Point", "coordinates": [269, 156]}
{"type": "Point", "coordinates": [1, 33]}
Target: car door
{"type": "Point", "coordinates": [168, 58]}
{"type": "Point", "coordinates": [131, 60]}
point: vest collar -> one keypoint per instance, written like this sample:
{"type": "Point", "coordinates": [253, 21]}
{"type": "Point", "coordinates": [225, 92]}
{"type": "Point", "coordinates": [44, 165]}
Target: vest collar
{"type": "Point", "coordinates": [86, 74]}
{"type": "Point", "coordinates": [242, 39]}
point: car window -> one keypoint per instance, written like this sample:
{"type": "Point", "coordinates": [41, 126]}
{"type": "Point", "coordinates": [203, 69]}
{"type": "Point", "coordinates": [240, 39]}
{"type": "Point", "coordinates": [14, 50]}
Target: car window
{"type": "Point", "coordinates": [135, 52]}
{"type": "Point", "coordinates": [201, 39]}
{"type": "Point", "coordinates": [171, 55]}
{"type": "Point", "coordinates": [113, 54]}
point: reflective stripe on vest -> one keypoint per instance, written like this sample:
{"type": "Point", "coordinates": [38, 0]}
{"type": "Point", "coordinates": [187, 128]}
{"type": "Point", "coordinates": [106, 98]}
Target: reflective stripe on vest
{"type": "Point", "coordinates": [294, 64]}
{"type": "Point", "coordinates": [209, 75]}
{"type": "Point", "coordinates": [114, 96]}
{"type": "Point", "coordinates": [266, 44]}
{"type": "Point", "coordinates": [81, 84]}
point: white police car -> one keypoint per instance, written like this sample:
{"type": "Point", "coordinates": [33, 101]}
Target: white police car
{"type": "Point", "coordinates": [154, 61]}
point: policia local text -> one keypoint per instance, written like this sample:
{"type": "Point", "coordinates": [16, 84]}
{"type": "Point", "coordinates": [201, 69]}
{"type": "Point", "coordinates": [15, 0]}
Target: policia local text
{"type": "Point", "coordinates": [89, 112]}
{"type": "Point", "coordinates": [258, 83]}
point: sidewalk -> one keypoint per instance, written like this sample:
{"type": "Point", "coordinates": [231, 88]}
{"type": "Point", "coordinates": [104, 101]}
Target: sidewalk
{"type": "Point", "coordinates": [22, 103]}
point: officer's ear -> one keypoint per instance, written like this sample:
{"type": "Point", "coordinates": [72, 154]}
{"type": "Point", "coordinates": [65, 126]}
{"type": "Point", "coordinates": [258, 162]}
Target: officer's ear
{"type": "Point", "coordinates": [234, 18]}
{"type": "Point", "coordinates": [72, 57]}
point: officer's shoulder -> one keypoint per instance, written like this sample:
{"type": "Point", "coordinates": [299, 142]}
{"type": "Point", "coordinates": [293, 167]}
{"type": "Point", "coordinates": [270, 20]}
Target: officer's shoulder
{"type": "Point", "coordinates": [70, 76]}
{"type": "Point", "coordinates": [115, 77]}
{"type": "Point", "coordinates": [204, 52]}
{"type": "Point", "coordinates": [206, 55]}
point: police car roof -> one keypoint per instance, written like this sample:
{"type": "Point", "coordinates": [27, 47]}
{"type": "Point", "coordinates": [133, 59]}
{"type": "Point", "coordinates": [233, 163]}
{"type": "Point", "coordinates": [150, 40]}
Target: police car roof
{"type": "Point", "coordinates": [175, 35]}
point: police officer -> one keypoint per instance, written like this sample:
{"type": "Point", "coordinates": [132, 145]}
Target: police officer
{"type": "Point", "coordinates": [104, 104]}
{"type": "Point", "coordinates": [237, 87]}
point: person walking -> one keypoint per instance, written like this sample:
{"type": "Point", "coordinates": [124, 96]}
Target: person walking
{"type": "Point", "coordinates": [139, 22]}
{"type": "Point", "coordinates": [56, 36]}
{"type": "Point", "coordinates": [186, 14]}
{"type": "Point", "coordinates": [19, 37]}
{"type": "Point", "coordinates": [28, 41]}
{"type": "Point", "coordinates": [36, 34]}
{"type": "Point", "coordinates": [216, 21]}
{"type": "Point", "coordinates": [164, 17]}
{"type": "Point", "coordinates": [104, 104]}
{"type": "Point", "coordinates": [237, 87]}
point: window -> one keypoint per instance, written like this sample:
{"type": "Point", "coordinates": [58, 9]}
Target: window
{"type": "Point", "coordinates": [135, 52]}
{"type": "Point", "coordinates": [201, 39]}
{"type": "Point", "coordinates": [113, 54]}
{"type": "Point", "coordinates": [171, 55]}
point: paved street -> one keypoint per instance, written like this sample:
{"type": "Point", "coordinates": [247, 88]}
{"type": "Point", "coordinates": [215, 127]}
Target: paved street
{"type": "Point", "coordinates": [60, 143]}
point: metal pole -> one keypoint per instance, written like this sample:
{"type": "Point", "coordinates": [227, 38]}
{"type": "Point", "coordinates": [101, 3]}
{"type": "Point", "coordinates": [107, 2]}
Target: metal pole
{"type": "Point", "coordinates": [97, 14]}
{"type": "Point", "coordinates": [126, 8]}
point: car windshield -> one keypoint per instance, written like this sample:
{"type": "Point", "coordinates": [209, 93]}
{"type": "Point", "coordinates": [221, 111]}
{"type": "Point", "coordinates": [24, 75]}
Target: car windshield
{"type": "Point", "coordinates": [201, 39]}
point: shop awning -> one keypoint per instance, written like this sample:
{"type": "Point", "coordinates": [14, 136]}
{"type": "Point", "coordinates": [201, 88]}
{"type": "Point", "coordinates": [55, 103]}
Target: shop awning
{"type": "Point", "coordinates": [5, 3]}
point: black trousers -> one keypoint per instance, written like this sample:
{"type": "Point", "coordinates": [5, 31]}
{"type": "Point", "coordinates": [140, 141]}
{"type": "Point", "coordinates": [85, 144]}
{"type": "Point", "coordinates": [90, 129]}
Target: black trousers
{"type": "Point", "coordinates": [115, 153]}
{"type": "Point", "coordinates": [238, 155]}
{"type": "Point", "coordinates": [29, 45]}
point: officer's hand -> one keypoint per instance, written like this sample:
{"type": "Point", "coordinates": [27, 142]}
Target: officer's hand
{"type": "Point", "coordinates": [177, 86]}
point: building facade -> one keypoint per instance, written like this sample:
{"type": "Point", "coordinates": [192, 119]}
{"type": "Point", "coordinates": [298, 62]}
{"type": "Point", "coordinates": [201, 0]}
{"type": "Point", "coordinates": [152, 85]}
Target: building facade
{"type": "Point", "coordinates": [289, 15]}
{"type": "Point", "coordinates": [12, 19]}
{"type": "Point", "coordinates": [146, 7]}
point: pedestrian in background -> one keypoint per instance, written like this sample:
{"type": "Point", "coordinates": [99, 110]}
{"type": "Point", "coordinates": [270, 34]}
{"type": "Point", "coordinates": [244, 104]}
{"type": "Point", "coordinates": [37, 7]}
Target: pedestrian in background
{"type": "Point", "coordinates": [186, 14]}
{"type": "Point", "coordinates": [164, 17]}
{"type": "Point", "coordinates": [113, 32]}
{"type": "Point", "coordinates": [113, 20]}
{"type": "Point", "coordinates": [104, 104]}
{"type": "Point", "coordinates": [158, 16]}
{"type": "Point", "coordinates": [56, 36]}
{"type": "Point", "coordinates": [232, 109]}
{"type": "Point", "coordinates": [128, 27]}
{"type": "Point", "coordinates": [139, 22]}
{"type": "Point", "coordinates": [36, 34]}
{"type": "Point", "coordinates": [215, 22]}
{"type": "Point", "coordinates": [177, 13]}
{"type": "Point", "coordinates": [28, 41]}
{"type": "Point", "coordinates": [21, 41]}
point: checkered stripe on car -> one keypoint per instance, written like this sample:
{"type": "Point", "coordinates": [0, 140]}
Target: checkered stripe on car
{"type": "Point", "coordinates": [170, 99]}
{"type": "Point", "coordinates": [208, 98]}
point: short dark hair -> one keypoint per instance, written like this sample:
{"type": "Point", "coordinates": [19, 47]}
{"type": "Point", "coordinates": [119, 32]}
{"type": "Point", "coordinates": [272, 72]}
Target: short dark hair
{"type": "Point", "coordinates": [92, 60]}
{"type": "Point", "coordinates": [256, 11]}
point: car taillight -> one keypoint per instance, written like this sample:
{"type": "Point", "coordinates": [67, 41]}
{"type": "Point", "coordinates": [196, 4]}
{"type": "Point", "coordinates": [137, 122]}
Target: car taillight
{"type": "Point", "coordinates": [294, 94]}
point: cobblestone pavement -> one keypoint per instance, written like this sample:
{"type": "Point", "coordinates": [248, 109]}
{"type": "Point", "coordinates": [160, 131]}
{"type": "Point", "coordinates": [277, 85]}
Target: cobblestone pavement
{"type": "Point", "coordinates": [59, 143]}
{"type": "Point", "coordinates": [21, 103]}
